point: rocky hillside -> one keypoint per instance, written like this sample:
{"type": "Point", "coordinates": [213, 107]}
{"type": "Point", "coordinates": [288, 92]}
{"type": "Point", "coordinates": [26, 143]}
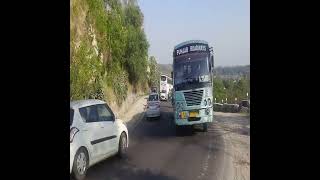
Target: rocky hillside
{"type": "Point", "coordinates": [109, 50]}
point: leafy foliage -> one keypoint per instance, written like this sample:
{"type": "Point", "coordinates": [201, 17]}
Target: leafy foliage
{"type": "Point", "coordinates": [154, 74]}
{"type": "Point", "coordinates": [231, 89]}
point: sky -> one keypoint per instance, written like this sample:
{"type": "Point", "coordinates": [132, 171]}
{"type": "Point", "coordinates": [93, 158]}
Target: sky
{"type": "Point", "coordinates": [224, 24]}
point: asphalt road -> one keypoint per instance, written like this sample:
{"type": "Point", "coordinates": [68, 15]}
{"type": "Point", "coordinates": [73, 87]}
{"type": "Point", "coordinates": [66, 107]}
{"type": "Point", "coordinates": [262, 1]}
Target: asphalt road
{"type": "Point", "coordinates": [156, 152]}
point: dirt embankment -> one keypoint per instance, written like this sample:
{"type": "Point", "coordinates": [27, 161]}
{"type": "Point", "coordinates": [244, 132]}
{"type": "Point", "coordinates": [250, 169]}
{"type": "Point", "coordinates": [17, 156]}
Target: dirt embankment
{"type": "Point", "coordinates": [235, 129]}
{"type": "Point", "coordinates": [130, 108]}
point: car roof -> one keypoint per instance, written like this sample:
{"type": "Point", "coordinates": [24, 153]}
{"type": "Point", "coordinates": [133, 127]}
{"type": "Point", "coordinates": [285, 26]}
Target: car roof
{"type": "Point", "coordinates": [83, 103]}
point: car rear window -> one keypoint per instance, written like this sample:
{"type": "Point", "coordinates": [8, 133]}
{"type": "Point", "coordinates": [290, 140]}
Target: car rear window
{"type": "Point", "coordinates": [71, 116]}
{"type": "Point", "coordinates": [89, 114]}
{"type": "Point", "coordinates": [153, 97]}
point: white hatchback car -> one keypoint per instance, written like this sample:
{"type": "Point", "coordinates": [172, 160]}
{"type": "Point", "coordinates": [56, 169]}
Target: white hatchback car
{"type": "Point", "coordinates": [153, 106]}
{"type": "Point", "coordinates": [95, 134]}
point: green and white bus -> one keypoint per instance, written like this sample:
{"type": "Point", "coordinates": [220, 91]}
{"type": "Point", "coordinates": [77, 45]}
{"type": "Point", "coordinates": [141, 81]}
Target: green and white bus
{"type": "Point", "coordinates": [192, 78]}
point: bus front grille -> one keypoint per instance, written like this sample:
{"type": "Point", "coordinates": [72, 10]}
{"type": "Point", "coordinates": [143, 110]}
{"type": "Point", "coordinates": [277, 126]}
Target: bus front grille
{"type": "Point", "coordinates": [193, 97]}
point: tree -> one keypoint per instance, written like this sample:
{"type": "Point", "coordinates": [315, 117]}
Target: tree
{"type": "Point", "coordinates": [154, 74]}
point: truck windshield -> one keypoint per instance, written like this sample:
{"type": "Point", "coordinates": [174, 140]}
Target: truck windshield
{"type": "Point", "coordinates": [153, 97]}
{"type": "Point", "coordinates": [191, 69]}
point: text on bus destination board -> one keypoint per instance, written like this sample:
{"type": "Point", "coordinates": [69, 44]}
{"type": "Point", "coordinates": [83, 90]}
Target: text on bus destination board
{"type": "Point", "coordinates": [191, 48]}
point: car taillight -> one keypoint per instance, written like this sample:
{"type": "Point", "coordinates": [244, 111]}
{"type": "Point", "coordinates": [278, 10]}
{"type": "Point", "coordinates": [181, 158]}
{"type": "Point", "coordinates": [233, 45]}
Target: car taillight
{"type": "Point", "coordinates": [73, 132]}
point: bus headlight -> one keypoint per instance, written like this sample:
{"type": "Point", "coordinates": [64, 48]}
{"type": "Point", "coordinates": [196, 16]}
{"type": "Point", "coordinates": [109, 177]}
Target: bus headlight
{"type": "Point", "coordinates": [202, 78]}
{"type": "Point", "coordinates": [205, 102]}
{"type": "Point", "coordinates": [209, 101]}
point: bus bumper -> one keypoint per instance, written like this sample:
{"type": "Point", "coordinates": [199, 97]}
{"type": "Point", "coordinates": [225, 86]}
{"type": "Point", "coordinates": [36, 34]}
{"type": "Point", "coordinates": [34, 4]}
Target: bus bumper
{"type": "Point", "coordinates": [187, 121]}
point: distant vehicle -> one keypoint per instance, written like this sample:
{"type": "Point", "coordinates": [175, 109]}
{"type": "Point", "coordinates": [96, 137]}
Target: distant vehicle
{"type": "Point", "coordinates": [153, 89]}
{"type": "Point", "coordinates": [95, 134]}
{"type": "Point", "coordinates": [165, 87]}
{"type": "Point", "coordinates": [153, 106]}
{"type": "Point", "coordinates": [245, 103]}
{"type": "Point", "coordinates": [192, 77]}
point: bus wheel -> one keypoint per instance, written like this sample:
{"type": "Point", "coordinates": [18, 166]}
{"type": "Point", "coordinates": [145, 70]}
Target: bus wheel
{"type": "Point", "coordinates": [205, 127]}
{"type": "Point", "coordinates": [178, 130]}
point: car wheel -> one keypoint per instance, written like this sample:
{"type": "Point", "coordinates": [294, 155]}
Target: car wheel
{"type": "Point", "coordinates": [80, 164]}
{"type": "Point", "coordinates": [122, 145]}
{"type": "Point", "coordinates": [205, 127]}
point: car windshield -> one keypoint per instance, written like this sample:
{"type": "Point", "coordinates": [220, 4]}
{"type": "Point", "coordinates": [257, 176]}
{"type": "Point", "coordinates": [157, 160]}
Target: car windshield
{"type": "Point", "coordinates": [71, 116]}
{"type": "Point", "coordinates": [153, 97]}
{"type": "Point", "coordinates": [163, 78]}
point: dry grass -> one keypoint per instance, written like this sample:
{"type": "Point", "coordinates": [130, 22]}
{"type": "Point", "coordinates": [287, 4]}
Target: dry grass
{"type": "Point", "coordinates": [78, 9]}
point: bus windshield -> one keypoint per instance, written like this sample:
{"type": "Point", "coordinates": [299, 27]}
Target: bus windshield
{"type": "Point", "coordinates": [189, 68]}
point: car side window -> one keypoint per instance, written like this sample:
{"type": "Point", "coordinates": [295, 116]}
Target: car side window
{"type": "Point", "coordinates": [105, 114]}
{"type": "Point", "coordinates": [89, 114]}
{"type": "Point", "coordinates": [71, 116]}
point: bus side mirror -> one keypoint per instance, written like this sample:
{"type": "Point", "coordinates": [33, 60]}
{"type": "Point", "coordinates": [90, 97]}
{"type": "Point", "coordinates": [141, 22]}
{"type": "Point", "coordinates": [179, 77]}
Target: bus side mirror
{"type": "Point", "coordinates": [212, 62]}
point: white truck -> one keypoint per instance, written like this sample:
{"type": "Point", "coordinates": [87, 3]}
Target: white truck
{"type": "Point", "coordinates": [165, 87]}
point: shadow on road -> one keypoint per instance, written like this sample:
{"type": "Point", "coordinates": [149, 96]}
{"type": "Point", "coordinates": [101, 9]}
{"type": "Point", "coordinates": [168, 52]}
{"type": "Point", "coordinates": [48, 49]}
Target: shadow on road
{"type": "Point", "coordinates": [115, 168]}
{"type": "Point", "coordinates": [132, 124]}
